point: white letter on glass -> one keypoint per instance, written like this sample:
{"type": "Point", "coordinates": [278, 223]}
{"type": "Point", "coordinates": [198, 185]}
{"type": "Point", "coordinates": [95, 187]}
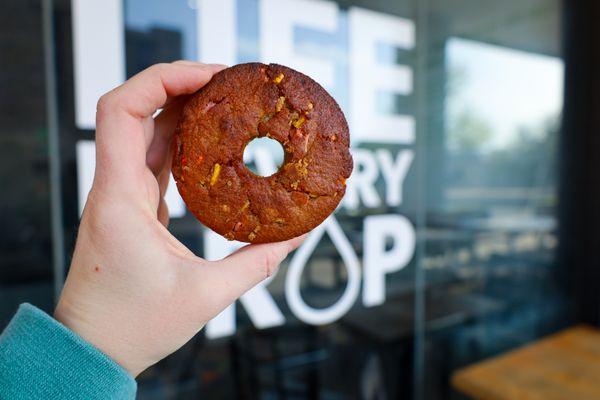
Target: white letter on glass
{"type": "Point", "coordinates": [394, 173]}
{"type": "Point", "coordinates": [98, 54]}
{"type": "Point", "coordinates": [367, 77]}
{"type": "Point", "coordinates": [216, 31]}
{"type": "Point", "coordinates": [377, 261]}
{"type": "Point", "coordinates": [277, 21]}
{"type": "Point", "coordinates": [257, 302]}
{"type": "Point", "coordinates": [362, 181]}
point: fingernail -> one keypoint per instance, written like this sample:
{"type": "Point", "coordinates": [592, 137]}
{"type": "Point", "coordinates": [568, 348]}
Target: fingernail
{"type": "Point", "coordinates": [186, 62]}
{"type": "Point", "coordinates": [297, 241]}
{"type": "Point", "coordinates": [219, 66]}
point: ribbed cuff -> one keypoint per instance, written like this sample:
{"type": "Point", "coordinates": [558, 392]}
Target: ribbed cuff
{"type": "Point", "coordinates": [42, 359]}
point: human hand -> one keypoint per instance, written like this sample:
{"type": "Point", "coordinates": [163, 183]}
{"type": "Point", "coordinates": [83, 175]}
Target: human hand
{"type": "Point", "coordinates": [133, 290]}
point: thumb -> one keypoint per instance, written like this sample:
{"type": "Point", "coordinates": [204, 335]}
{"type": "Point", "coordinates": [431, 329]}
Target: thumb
{"type": "Point", "coordinates": [234, 275]}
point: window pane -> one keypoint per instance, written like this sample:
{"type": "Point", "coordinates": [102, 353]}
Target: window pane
{"type": "Point", "coordinates": [447, 234]}
{"type": "Point", "coordinates": [494, 108]}
{"type": "Point", "coordinates": [25, 241]}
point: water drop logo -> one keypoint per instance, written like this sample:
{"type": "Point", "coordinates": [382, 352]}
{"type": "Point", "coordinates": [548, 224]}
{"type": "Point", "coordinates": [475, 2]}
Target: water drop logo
{"type": "Point", "coordinates": [292, 284]}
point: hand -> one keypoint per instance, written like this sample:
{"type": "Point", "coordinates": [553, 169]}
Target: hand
{"type": "Point", "coordinates": [133, 290]}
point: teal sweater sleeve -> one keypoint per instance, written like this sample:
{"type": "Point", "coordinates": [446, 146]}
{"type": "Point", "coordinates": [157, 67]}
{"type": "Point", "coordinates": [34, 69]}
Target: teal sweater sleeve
{"type": "Point", "coordinates": [42, 359]}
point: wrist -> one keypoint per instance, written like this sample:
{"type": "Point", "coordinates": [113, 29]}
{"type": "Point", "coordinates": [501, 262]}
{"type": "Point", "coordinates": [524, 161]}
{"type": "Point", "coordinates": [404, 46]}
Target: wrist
{"type": "Point", "coordinates": [103, 337]}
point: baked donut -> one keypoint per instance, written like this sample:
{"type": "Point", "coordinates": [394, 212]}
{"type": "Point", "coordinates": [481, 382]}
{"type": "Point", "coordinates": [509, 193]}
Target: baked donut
{"type": "Point", "coordinates": [238, 105]}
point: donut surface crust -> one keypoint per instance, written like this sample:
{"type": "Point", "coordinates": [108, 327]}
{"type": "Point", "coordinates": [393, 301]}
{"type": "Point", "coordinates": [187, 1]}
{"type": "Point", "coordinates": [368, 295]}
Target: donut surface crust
{"type": "Point", "coordinates": [242, 103]}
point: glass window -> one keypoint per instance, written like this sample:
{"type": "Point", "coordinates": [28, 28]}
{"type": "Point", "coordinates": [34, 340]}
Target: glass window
{"type": "Point", "coordinates": [322, 326]}
{"type": "Point", "coordinates": [25, 237]}
{"type": "Point", "coordinates": [470, 171]}
{"type": "Point", "coordinates": [495, 90]}
{"type": "Point", "coordinates": [443, 251]}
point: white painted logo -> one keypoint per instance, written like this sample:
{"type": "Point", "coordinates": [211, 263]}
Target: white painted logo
{"type": "Point", "coordinates": [99, 59]}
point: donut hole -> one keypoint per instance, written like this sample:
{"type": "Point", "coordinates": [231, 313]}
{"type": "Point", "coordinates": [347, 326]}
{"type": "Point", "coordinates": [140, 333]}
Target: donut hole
{"type": "Point", "coordinates": [263, 156]}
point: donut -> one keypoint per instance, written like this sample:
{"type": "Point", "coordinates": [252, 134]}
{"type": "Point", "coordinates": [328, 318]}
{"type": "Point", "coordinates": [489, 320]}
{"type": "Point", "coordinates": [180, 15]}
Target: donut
{"type": "Point", "coordinates": [249, 101]}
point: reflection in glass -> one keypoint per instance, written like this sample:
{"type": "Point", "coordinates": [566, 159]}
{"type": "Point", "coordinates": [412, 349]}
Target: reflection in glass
{"type": "Point", "coordinates": [491, 231]}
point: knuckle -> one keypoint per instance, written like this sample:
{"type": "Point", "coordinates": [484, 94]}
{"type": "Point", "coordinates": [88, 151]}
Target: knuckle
{"type": "Point", "coordinates": [96, 217]}
{"type": "Point", "coordinates": [104, 102]}
{"type": "Point", "coordinates": [184, 258]}
{"type": "Point", "coordinates": [271, 260]}
{"type": "Point", "coordinates": [158, 68]}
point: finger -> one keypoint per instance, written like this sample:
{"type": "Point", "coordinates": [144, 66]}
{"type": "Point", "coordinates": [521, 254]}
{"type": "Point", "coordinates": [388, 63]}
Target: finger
{"type": "Point", "coordinates": [120, 140]}
{"type": "Point", "coordinates": [214, 67]}
{"type": "Point", "coordinates": [163, 178]}
{"type": "Point", "coordinates": [162, 213]}
{"type": "Point", "coordinates": [242, 270]}
{"type": "Point", "coordinates": [164, 126]}
{"type": "Point", "coordinates": [147, 91]}
{"type": "Point", "coordinates": [192, 63]}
